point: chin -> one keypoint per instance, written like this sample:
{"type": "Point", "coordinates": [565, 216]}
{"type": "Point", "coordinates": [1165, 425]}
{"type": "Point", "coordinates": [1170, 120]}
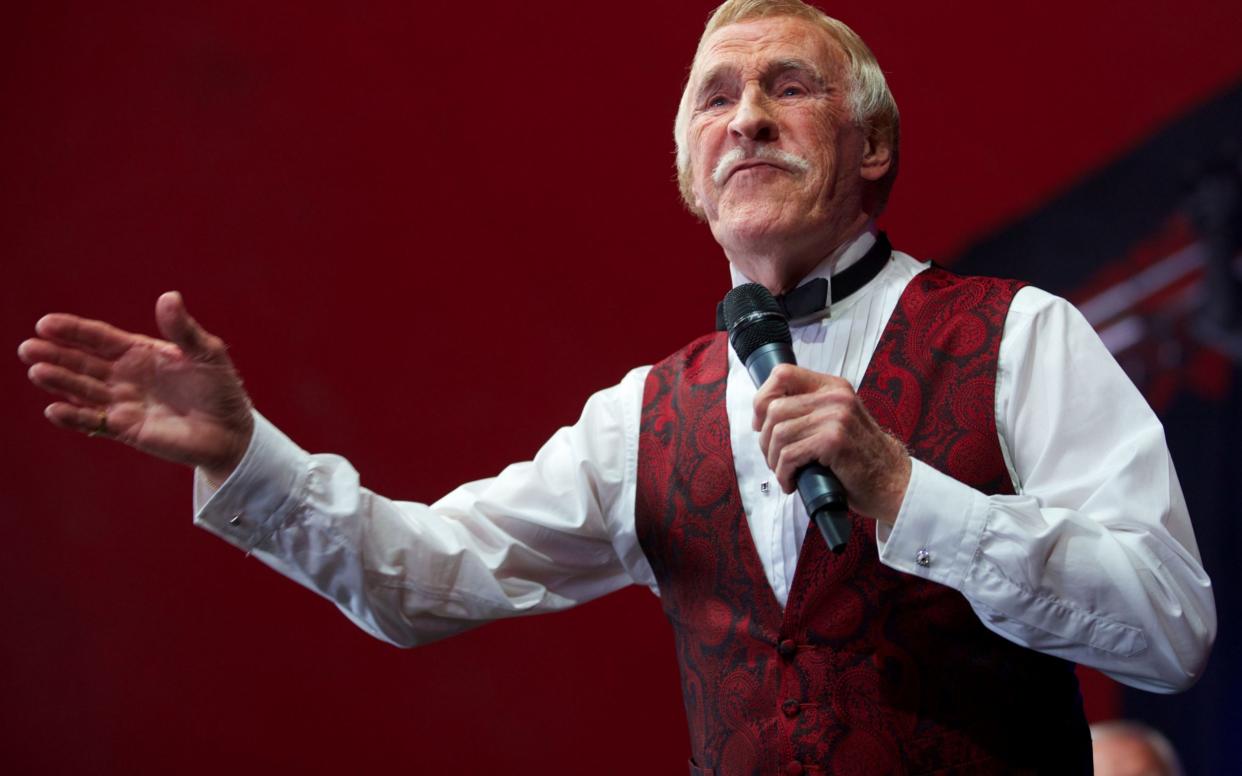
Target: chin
{"type": "Point", "coordinates": [752, 229]}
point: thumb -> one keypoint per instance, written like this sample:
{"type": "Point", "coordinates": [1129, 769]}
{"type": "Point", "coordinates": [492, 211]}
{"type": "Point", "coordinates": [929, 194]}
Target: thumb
{"type": "Point", "coordinates": [176, 325]}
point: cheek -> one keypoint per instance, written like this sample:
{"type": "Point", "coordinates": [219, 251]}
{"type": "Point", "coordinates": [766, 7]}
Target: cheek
{"type": "Point", "coordinates": [827, 132]}
{"type": "Point", "coordinates": [694, 136]}
{"type": "Point", "coordinates": [703, 148]}
{"type": "Point", "coordinates": [827, 136]}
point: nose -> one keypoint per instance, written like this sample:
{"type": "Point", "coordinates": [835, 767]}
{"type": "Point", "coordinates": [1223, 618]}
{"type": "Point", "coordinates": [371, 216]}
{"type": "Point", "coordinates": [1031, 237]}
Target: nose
{"type": "Point", "coordinates": [754, 119]}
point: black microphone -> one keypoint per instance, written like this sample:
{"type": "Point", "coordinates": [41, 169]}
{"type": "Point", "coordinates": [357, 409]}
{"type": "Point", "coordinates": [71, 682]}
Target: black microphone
{"type": "Point", "coordinates": [759, 334]}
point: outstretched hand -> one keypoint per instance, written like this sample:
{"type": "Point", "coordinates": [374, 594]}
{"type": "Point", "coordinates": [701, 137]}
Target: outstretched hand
{"type": "Point", "coordinates": [178, 398]}
{"type": "Point", "coordinates": [804, 416]}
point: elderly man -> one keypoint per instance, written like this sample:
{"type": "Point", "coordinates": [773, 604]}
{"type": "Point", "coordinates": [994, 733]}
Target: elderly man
{"type": "Point", "coordinates": [1015, 510]}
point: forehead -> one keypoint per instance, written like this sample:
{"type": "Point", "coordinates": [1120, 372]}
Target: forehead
{"type": "Point", "coordinates": [752, 43]}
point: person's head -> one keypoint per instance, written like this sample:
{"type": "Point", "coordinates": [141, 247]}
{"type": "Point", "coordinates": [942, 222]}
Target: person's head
{"type": "Point", "coordinates": [786, 127]}
{"type": "Point", "coordinates": [1126, 748]}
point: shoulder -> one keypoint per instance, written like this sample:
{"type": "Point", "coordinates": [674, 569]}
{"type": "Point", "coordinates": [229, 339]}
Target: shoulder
{"type": "Point", "coordinates": [1029, 307]}
{"type": "Point", "coordinates": [696, 354]}
{"type": "Point", "coordinates": [934, 297]}
{"type": "Point", "coordinates": [1046, 335]}
{"type": "Point", "coordinates": [1035, 308]}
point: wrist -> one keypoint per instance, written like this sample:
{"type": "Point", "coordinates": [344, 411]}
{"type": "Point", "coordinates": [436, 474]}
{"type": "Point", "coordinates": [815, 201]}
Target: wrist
{"type": "Point", "coordinates": [893, 493]}
{"type": "Point", "coordinates": [217, 473]}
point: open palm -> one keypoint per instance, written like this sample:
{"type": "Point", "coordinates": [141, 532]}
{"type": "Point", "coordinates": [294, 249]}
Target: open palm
{"type": "Point", "coordinates": [178, 398]}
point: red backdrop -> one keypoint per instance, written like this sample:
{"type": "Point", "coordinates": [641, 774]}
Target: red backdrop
{"type": "Point", "coordinates": [325, 185]}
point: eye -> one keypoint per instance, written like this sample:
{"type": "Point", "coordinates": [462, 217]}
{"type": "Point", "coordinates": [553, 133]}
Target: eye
{"type": "Point", "coordinates": [717, 101]}
{"type": "Point", "coordinates": [792, 90]}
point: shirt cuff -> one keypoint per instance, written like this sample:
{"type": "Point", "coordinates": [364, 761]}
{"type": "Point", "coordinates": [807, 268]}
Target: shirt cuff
{"type": "Point", "coordinates": [937, 529]}
{"type": "Point", "coordinates": [260, 492]}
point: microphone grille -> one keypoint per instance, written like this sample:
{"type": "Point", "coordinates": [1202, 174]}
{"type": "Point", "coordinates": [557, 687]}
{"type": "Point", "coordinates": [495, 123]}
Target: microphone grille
{"type": "Point", "coordinates": [749, 332]}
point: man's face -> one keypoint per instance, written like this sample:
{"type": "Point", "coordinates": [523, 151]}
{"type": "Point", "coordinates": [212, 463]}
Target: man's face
{"type": "Point", "coordinates": [775, 155]}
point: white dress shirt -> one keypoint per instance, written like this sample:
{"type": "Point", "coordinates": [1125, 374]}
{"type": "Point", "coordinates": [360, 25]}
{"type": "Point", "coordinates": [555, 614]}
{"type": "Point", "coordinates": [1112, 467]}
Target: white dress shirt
{"type": "Point", "coordinates": [1093, 560]}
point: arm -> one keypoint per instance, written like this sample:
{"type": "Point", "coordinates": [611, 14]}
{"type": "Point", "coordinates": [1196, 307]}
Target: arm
{"type": "Point", "coordinates": [542, 536]}
{"type": "Point", "coordinates": [1094, 559]}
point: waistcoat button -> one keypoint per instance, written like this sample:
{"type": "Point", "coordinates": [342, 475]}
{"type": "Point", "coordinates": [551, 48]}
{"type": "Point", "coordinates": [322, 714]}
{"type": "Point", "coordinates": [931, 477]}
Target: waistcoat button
{"type": "Point", "coordinates": [787, 648]}
{"type": "Point", "coordinates": [794, 768]}
{"type": "Point", "coordinates": [790, 708]}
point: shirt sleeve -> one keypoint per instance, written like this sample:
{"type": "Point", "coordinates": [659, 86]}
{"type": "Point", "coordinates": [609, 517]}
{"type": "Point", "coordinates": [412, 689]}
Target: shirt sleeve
{"type": "Point", "coordinates": [542, 536]}
{"type": "Point", "coordinates": [1094, 560]}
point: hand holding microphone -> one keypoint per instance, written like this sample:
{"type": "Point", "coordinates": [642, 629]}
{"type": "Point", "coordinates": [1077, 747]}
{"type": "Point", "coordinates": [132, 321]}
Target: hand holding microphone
{"type": "Point", "coordinates": [814, 430]}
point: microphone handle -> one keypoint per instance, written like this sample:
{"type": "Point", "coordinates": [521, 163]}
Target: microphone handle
{"type": "Point", "coordinates": [824, 499]}
{"type": "Point", "coordinates": [822, 493]}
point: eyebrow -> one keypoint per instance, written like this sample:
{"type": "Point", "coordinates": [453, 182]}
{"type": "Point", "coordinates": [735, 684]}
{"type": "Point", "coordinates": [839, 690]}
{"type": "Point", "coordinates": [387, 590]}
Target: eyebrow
{"type": "Point", "coordinates": [770, 73]}
{"type": "Point", "coordinates": [793, 64]}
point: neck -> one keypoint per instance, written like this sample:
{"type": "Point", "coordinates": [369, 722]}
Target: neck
{"type": "Point", "coordinates": [781, 265]}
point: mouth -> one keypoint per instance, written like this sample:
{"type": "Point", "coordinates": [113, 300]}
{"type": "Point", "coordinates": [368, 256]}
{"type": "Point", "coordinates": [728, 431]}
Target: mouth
{"type": "Point", "coordinates": [751, 164]}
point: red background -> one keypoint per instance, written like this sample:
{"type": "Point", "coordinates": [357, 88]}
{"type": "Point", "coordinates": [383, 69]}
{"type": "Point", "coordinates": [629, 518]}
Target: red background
{"type": "Point", "coordinates": [334, 189]}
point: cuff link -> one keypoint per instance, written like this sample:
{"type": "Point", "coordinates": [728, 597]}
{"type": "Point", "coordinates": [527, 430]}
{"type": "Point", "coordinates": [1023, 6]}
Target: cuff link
{"type": "Point", "coordinates": [236, 519]}
{"type": "Point", "coordinates": [923, 557]}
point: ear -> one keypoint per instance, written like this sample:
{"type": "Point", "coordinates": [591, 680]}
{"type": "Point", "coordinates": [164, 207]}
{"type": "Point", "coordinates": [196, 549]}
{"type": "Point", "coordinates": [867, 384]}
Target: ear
{"type": "Point", "coordinates": [877, 158]}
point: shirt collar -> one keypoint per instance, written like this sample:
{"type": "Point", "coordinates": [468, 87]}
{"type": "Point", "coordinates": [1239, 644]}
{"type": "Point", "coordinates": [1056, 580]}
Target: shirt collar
{"type": "Point", "coordinates": [842, 258]}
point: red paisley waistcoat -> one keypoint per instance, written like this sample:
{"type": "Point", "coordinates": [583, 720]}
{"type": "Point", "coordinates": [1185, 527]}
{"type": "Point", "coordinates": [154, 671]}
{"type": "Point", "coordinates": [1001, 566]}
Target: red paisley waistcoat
{"type": "Point", "coordinates": [867, 670]}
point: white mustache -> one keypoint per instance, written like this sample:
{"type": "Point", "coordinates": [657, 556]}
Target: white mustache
{"type": "Point", "coordinates": [738, 155]}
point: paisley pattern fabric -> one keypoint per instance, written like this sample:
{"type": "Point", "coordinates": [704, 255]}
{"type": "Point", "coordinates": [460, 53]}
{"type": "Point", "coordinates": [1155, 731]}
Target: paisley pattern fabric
{"type": "Point", "coordinates": [867, 670]}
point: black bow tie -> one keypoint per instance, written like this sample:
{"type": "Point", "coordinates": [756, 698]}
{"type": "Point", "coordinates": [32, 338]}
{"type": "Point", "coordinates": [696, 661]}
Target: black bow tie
{"type": "Point", "coordinates": [810, 299]}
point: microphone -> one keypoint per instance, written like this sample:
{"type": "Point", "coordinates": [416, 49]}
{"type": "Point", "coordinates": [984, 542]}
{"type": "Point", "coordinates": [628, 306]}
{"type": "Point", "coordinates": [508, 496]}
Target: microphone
{"type": "Point", "coordinates": [759, 334]}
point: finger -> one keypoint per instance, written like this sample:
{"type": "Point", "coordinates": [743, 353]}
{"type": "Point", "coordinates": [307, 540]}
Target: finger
{"type": "Point", "coordinates": [95, 337]}
{"type": "Point", "coordinates": [79, 389]}
{"type": "Point", "coordinates": [790, 379]}
{"type": "Point", "coordinates": [767, 393]}
{"type": "Point", "coordinates": [88, 420]}
{"type": "Point", "coordinates": [801, 391]}
{"type": "Point", "coordinates": [814, 438]}
{"type": "Point", "coordinates": [176, 324]}
{"type": "Point", "coordinates": [781, 435]}
{"type": "Point", "coordinates": [34, 351]}
{"type": "Point", "coordinates": [785, 380]}
{"type": "Point", "coordinates": [792, 458]}
{"type": "Point", "coordinates": [783, 408]}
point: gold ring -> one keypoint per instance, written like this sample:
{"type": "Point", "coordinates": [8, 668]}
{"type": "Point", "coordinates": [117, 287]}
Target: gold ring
{"type": "Point", "coordinates": [102, 428]}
